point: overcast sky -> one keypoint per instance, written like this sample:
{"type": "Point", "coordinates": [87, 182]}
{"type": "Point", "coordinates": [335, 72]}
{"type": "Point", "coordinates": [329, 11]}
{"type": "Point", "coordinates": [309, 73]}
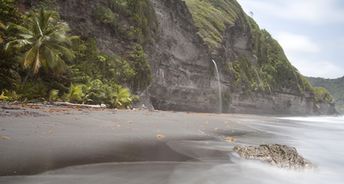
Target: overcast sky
{"type": "Point", "coordinates": [310, 31]}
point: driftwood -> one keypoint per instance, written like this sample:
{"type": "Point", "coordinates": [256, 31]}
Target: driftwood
{"type": "Point", "coordinates": [68, 104]}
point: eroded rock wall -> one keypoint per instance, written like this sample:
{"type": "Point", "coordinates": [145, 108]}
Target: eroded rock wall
{"type": "Point", "coordinates": [182, 68]}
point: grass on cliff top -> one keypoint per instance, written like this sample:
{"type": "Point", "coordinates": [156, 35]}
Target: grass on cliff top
{"type": "Point", "coordinates": [212, 16]}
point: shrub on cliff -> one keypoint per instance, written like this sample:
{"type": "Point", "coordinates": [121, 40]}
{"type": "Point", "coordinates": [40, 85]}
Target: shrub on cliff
{"type": "Point", "coordinates": [322, 95]}
{"type": "Point", "coordinates": [106, 16]}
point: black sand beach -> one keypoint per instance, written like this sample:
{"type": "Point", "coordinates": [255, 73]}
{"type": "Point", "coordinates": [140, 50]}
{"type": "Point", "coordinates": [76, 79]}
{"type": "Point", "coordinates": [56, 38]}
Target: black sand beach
{"type": "Point", "coordinates": [39, 138]}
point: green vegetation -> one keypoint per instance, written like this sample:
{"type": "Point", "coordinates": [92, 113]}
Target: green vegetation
{"type": "Point", "coordinates": [334, 86]}
{"type": "Point", "coordinates": [138, 23]}
{"type": "Point", "coordinates": [8, 96]}
{"type": "Point", "coordinates": [212, 17]}
{"type": "Point", "coordinates": [8, 11]}
{"type": "Point", "coordinates": [8, 65]}
{"type": "Point", "coordinates": [49, 64]}
{"type": "Point", "coordinates": [132, 20]}
{"type": "Point", "coordinates": [322, 95]}
{"type": "Point", "coordinates": [2, 27]}
{"type": "Point", "coordinates": [140, 80]}
{"type": "Point", "coordinates": [96, 92]}
{"type": "Point", "coordinates": [91, 64]}
{"type": "Point", "coordinates": [272, 64]}
{"type": "Point", "coordinates": [106, 16]}
{"type": "Point", "coordinates": [249, 78]}
{"type": "Point", "coordinates": [43, 41]}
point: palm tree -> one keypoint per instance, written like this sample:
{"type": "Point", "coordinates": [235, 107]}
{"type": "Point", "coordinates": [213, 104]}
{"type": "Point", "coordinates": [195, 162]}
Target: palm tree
{"type": "Point", "coordinates": [44, 41]}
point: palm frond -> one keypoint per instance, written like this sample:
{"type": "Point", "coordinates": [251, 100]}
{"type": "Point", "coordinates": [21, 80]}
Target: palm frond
{"type": "Point", "coordinates": [19, 28]}
{"type": "Point", "coordinates": [60, 67]}
{"type": "Point", "coordinates": [68, 53]}
{"type": "Point", "coordinates": [43, 19]}
{"type": "Point", "coordinates": [26, 36]}
{"type": "Point", "coordinates": [37, 63]}
{"type": "Point", "coordinates": [2, 25]}
{"type": "Point", "coordinates": [51, 57]}
{"type": "Point", "coordinates": [54, 61]}
{"type": "Point", "coordinates": [72, 38]}
{"type": "Point", "coordinates": [29, 58]}
{"type": "Point", "coordinates": [16, 44]}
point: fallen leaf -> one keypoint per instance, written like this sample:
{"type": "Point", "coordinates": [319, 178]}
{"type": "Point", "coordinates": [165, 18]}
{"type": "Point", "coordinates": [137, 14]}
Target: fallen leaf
{"type": "Point", "coordinates": [3, 137]}
{"type": "Point", "coordinates": [160, 137]}
{"type": "Point", "coordinates": [230, 139]}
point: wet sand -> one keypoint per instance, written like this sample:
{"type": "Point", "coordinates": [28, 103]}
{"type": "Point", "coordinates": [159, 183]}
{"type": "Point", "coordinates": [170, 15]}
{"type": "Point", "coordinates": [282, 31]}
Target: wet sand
{"type": "Point", "coordinates": [38, 139]}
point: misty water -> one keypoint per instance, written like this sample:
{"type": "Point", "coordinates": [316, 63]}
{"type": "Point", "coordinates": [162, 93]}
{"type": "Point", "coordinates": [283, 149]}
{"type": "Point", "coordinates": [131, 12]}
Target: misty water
{"type": "Point", "coordinates": [318, 139]}
{"type": "Point", "coordinates": [219, 85]}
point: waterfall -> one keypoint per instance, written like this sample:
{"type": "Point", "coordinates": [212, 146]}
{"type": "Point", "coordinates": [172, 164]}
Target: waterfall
{"type": "Point", "coordinates": [219, 85]}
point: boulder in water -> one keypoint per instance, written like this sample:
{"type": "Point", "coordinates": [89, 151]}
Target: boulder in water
{"type": "Point", "coordinates": [281, 156]}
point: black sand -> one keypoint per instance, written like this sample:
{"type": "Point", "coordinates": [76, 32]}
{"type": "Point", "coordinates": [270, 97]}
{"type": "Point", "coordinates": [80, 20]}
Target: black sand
{"type": "Point", "coordinates": [47, 138]}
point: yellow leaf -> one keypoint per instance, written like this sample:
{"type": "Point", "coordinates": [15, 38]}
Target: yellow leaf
{"type": "Point", "coordinates": [3, 137]}
{"type": "Point", "coordinates": [3, 96]}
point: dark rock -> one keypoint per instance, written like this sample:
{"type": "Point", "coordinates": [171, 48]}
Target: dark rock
{"type": "Point", "coordinates": [281, 156]}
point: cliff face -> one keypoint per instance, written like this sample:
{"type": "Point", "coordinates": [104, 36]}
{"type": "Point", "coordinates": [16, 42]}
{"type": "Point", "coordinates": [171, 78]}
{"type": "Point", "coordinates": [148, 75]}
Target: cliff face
{"type": "Point", "coordinates": [184, 77]}
{"type": "Point", "coordinates": [181, 51]}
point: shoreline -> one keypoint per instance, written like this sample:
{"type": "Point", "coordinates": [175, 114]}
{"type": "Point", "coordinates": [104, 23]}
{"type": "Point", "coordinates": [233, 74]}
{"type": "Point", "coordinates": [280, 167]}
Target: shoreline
{"type": "Point", "coordinates": [35, 139]}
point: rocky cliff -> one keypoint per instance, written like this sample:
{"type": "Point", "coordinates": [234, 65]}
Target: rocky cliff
{"type": "Point", "coordinates": [256, 77]}
{"type": "Point", "coordinates": [184, 77]}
